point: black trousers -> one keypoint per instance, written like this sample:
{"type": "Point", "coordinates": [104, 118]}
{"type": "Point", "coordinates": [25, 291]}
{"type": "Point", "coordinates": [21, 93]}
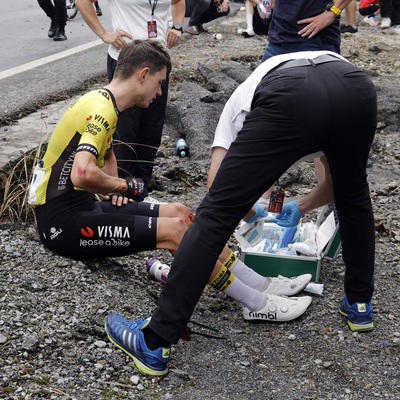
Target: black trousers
{"type": "Point", "coordinates": [138, 134]}
{"type": "Point", "coordinates": [391, 9]}
{"type": "Point", "coordinates": [57, 12]}
{"type": "Point", "coordinates": [295, 112]}
{"type": "Point", "coordinates": [260, 26]}
{"type": "Point", "coordinates": [203, 11]}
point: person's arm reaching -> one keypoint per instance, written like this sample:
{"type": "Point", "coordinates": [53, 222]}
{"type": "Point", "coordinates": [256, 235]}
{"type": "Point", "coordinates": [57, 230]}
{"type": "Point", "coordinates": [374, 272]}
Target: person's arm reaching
{"type": "Point", "coordinates": [88, 13]}
{"type": "Point", "coordinates": [322, 194]}
{"type": "Point", "coordinates": [178, 8]}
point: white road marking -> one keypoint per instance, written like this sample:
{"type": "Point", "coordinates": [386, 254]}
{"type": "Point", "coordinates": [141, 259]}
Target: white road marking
{"type": "Point", "coordinates": [37, 63]}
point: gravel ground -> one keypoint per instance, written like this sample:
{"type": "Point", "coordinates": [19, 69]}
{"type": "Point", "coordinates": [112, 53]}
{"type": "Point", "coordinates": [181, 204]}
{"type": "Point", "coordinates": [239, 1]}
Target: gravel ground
{"type": "Point", "coordinates": [52, 341]}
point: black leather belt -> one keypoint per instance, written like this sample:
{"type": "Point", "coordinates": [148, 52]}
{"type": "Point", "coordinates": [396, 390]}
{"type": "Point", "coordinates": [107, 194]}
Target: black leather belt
{"type": "Point", "coordinates": [302, 62]}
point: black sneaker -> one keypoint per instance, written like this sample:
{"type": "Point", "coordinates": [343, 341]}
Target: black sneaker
{"type": "Point", "coordinates": [52, 30]}
{"type": "Point", "coordinates": [348, 29]}
{"type": "Point", "coordinates": [99, 12]}
{"type": "Point", "coordinates": [59, 36]}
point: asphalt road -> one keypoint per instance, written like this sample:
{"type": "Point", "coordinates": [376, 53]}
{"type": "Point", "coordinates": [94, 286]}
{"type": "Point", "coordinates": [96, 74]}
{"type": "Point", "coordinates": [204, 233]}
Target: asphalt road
{"type": "Point", "coordinates": [34, 67]}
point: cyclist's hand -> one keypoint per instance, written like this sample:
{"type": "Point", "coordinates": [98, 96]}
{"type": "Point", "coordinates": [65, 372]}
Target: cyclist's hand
{"type": "Point", "coordinates": [117, 199]}
{"type": "Point", "coordinates": [136, 189]}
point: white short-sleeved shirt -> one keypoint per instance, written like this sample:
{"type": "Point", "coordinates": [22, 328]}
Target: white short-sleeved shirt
{"type": "Point", "coordinates": [239, 104]}
{"type": "Point", "coordinates": [132, 16]}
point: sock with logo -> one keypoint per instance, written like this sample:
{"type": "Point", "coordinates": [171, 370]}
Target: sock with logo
{"type": "Point", "coordinates": [225, 281]}
{"type": "Point", "coordinates": [245, 274]}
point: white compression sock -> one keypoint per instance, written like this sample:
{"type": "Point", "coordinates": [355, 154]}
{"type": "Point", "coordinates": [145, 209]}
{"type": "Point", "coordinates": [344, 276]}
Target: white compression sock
{"type": "Point", "coordinates": [249, 21]}
{"type": "Point", "coordinates": [245, 274]}
{"type": "Point", "coordinates": [231, 285]}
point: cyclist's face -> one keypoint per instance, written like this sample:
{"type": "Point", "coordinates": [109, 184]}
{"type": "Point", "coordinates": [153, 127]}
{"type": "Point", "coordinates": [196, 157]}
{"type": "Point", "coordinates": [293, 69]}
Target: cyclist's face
{"type": "Point", "coordinates": [152, 87]}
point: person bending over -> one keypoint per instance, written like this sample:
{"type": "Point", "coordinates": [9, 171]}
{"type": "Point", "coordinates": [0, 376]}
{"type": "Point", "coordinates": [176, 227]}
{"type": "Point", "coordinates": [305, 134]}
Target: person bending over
{"type": "Point", "coordinates": [301, 106]}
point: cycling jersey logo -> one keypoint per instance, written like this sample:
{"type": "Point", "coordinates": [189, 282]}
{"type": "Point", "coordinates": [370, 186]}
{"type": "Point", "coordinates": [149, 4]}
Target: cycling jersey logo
{"type": "Point", "coordinates": [92, 128]}
{"type": "Point", "coordinates": [54, 232]}
{"type": "Point", "coordinates": [114, 231]}
{"type": "Point", "coordinates": [105, 94]}
{"type": "Point", "coordinates": [102, 121]}
{"type": "Point", "coordinates": [106, 236]}
{"type": "Point", "coordinates": [65, 172]}
{"type": "Point", "coordinates": [88, 147]}
{"type": "Point", "coordinates": [87, 232]}
{"type": "Point", "coordinates": [89, 118]}
{"type": "Point", "coordinates": [108, 232]}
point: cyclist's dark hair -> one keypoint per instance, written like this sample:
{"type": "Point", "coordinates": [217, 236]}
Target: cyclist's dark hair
{"type": "Point", "coordinates": [139, 54]}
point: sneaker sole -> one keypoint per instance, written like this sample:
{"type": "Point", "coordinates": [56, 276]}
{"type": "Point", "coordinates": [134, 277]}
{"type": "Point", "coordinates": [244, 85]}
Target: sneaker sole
{"type": "Point", "coordinates": [138, 364]}
{"type": "Point", "coordinates": [357, 327]}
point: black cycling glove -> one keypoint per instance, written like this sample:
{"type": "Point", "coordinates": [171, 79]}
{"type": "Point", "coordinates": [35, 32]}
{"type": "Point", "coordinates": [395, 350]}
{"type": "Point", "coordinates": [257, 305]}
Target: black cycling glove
{"type": "Point", "coordinates": [136, 189]}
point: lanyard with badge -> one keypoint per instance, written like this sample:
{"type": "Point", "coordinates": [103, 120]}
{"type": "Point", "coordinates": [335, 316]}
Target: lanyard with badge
{"type": "Point", "coordinates": [152, 25]}
{"type": "Point", "coordinates": [276, 200]}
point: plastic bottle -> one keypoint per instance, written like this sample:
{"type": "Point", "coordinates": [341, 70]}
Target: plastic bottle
{"type": "Point", "coordinates": [182, 148]}
{"type": "Point", "coordinates": [157, 269]}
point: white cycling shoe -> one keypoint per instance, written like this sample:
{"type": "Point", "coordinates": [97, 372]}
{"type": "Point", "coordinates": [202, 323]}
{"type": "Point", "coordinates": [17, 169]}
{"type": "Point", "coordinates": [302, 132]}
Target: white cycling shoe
{"type": "Point", "coordinates": [282, 286]}
{"type": "Point", "coordinates": [279, 309]}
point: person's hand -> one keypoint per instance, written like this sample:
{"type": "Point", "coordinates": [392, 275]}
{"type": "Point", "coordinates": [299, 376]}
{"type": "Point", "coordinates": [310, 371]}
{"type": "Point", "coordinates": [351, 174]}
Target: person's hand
{"type": "Point", "coordinates": [224, 6]}
{"type": "Point", "coordinates": [262, 11]}
{"type": "Point", "coordinates": [116, 38]}
{"type": "Point", "coordinates": [173, 36]}
{"type": "Point", "coordinates": [259, 213]}
{"type": "Point", "coordinates": [117, 199]}
{"type": "Point", "coordinates": [136, 189]}
{"type": "Point", "coordinates": [316, 24]}
{"type": "Point", "coordinates": [290, 215]}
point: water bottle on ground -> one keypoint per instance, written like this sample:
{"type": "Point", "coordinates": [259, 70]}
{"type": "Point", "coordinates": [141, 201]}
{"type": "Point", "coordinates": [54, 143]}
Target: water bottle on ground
{"type": "Point", "coordinates": [182, 148]}
{"type": "Point", "coordinates": [158, 270]}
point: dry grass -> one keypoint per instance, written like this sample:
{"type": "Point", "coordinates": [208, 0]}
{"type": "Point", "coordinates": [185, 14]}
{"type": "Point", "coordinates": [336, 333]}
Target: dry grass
{"type": "Point", "coordinates": [14, 189]}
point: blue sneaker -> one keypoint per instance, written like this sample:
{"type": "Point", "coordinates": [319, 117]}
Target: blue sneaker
{"type": "Point", "coordinates": [128, 336]}
{"type": "Point", "coordinates": [359, 315]}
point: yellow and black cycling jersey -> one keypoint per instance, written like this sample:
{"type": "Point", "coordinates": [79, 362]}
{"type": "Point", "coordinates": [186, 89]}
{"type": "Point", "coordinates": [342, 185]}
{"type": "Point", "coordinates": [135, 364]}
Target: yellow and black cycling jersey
{"type": "Point", "coordinates": [88, 125]}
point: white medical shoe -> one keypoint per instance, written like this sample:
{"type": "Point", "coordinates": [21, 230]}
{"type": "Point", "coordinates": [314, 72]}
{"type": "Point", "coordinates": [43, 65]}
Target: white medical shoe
{"type": "Point", "coordinates": [279, 309]}
{"type": "Point", "coordinates": [282, 286]}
